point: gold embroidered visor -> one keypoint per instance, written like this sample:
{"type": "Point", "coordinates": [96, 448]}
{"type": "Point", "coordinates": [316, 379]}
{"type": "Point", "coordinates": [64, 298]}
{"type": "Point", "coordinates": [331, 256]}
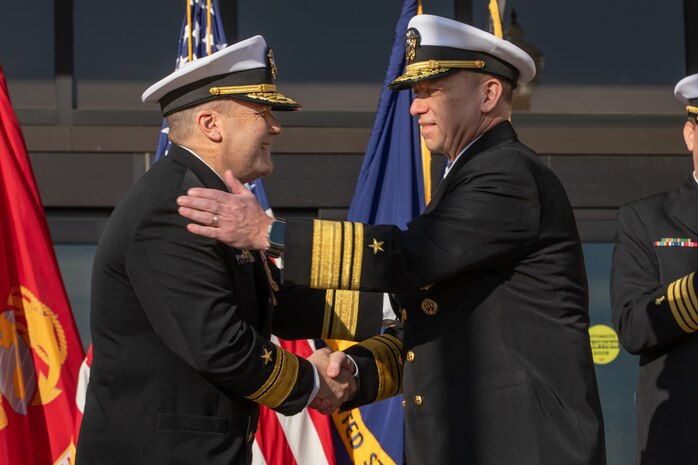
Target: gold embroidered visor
{"type": "Point", "coordinates": [265, 94]}
{"type": "Point", "coordinates": [255, 85]}
{"type": "Point", "coordinates": [433, 62]}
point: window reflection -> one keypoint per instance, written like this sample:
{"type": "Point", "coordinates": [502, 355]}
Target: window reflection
{"type": "Point", "coordinates": [617, 379]}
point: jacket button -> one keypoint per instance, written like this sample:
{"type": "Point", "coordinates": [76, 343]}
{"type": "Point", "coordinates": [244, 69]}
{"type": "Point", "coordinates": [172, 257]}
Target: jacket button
{"type": "Point", "coordinates": [418, 401]}
{"type": "Point", "coordinates": [404, 403]}
{"type": "Point", "coordinates": [410, 356]}
{"type": "Point", "coordinates": [429, 307]}
{"type": "Point", "coordinates": [404, 315]}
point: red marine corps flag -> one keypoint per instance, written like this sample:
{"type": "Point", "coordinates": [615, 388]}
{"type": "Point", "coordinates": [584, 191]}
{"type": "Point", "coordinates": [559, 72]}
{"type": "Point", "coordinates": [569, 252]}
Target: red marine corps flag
{"type": "Point", "coordinates": [40, 351]}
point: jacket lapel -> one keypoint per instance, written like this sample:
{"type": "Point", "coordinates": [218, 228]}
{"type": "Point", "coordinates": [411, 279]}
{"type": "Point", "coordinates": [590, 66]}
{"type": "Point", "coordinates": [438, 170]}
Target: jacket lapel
{"type": "Point", "coordinates": [687, 212]}
{"type": "Point", "coordinates": [205, 174]}
{"type": "Point", "coordinates": [497, 135]}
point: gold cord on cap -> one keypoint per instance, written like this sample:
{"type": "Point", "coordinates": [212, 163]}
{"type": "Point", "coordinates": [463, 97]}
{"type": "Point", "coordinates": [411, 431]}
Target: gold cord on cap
{"type": "Point", "coordinates": [440, 64]}
{"type": "Point", "coordinates": [692, 110]}
{"type": "Point", "coordinates": [232, 90]}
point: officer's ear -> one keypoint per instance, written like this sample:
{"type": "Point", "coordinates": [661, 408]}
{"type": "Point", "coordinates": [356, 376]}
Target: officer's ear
{"type": "Point", "coordinates": [689, 130]}
{"type": "Point", "coordinates": [492, 94]}
{"type": "Point", "coordinates": [208, 122]}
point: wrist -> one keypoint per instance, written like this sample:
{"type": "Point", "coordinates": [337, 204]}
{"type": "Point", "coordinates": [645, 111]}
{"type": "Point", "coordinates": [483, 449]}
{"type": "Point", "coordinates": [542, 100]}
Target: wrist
{"type": "Point", "coordinates": [275, 237]}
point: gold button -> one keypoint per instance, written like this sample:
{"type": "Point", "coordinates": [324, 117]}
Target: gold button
{"type": "Point", "coordinates": [250, 436]}
{"type": "Point", "coordinates": [404, 315]}
{"type": "Point", "coordinates": [404, 403]}
{"type": "Point", "coordinates": [429, 307]}
{"type": "Point", "coordinates": [410, 356]}
{"type": "Point", "coordinates": [418, 401]}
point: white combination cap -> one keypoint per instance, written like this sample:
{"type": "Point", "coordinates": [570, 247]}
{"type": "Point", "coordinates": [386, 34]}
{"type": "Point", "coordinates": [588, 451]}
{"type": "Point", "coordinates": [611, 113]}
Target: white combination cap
{"type": "Point", "coordinates": [687, 92]}
{"type": "Point", "coordinates": [244, 71]}
{"type": "Point", "coordinates": [436, 46]}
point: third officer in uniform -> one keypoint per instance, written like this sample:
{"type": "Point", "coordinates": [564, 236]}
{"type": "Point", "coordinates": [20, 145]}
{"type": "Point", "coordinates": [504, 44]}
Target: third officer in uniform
{"type": "Point", "coordinates": [655, 308]}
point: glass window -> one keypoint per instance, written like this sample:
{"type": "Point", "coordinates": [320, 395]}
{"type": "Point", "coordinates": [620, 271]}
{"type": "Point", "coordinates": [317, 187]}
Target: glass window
{"type": "Point", "coordinates": [617, 379]}
{"type": "Point", "coordinates": [331, 56]}
{"type": "Point", "coordinates": [600, 56]}
{"type": "Point", "coordinates": [27, 52]}
{"type": "Point", "coordinates": [120, 51]}
{"type": "Point", "coordinates": [75, 262]}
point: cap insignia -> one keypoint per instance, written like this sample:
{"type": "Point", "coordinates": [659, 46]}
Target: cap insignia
{"type": "Point", "coordinates": [411, 43]}
{"type": "Point", "coordinates": [272, 65]}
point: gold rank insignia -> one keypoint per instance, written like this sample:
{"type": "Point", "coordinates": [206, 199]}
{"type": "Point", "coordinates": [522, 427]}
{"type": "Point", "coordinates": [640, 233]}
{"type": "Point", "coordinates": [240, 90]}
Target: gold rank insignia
{"type": "Point", "coordinates": [426, 288]}
{"type": "Point", "coordinates": [659, 300]}
{"type": "Point", "coordinates": [272, 65]}
{"type": "Point", "coordinates": [377, 246]}
{"type": "Point", "coordinates": [429, 307]}
{"type": "Point", "coordinates": [411, 40]}
{"type": "Point", "coordinates": [266, 355]}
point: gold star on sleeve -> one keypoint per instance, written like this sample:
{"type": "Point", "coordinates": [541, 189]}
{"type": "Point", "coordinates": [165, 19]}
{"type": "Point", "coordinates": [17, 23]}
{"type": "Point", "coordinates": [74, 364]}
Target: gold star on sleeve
{"type": "Point", "coordinates": [377, 246]}
{"type": "Point", "coordinates": [266, 356]}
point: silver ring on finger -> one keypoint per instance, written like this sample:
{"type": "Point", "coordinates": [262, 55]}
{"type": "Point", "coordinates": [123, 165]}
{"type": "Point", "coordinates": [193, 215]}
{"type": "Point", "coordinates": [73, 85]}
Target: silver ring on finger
{"type": "Point", "coordinates": [214, 221]}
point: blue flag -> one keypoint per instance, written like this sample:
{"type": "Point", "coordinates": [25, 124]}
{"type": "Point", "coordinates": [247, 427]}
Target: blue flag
{"type": "Point", "coordinates": [390, 190]}
{"type": "Point", "coordinates": [201, 35]}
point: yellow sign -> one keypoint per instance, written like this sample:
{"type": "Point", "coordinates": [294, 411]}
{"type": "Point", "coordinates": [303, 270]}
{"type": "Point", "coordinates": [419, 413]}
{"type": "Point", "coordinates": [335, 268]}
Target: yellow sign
{"type": "Point", "coordinates": [604, 344]}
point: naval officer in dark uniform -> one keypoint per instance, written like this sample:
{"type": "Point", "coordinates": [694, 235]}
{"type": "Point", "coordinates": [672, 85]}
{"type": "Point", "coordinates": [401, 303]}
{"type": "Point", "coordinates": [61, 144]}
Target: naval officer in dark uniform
{"type": "Point", "coordinates": [655, 308]}
{"type": "Point", "coordinates": [180, 324]}
{"type": "Point", "coordinates": [495, 364]}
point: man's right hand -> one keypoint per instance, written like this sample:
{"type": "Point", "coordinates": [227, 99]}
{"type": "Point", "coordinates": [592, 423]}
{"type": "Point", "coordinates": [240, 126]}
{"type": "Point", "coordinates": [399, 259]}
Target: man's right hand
{"type": "Point", "coordinates": [337, 382]}
{"type": "Point", "coordinates": [234, 218]}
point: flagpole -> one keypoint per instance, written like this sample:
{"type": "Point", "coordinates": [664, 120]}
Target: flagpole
{"type": "Point", "coordinates": [189, 45]}
{"type": "Point", "coordinates": [496, 18]}
{"type": "Point", "coordinates": [208, 27]}
{"type": "Point", "coordinates": [426, 153]}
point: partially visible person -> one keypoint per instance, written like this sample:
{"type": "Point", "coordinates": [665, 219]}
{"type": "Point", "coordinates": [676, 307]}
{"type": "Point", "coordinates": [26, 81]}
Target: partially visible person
{"type": "Point", "coordinates": [489, 281]}
{"type": "Point", "coordinates": [181, 324]}
{"type": "Point", "coordinates": [655, 308]}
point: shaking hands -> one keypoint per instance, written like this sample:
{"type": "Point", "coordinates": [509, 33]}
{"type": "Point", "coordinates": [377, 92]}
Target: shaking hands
{"type": "Point", "coordinates": [337, 381]}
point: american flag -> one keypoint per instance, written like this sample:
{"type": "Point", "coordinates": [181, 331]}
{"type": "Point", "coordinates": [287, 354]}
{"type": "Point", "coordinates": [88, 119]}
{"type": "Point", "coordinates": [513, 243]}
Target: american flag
{"type": "Point", "coordinates": [201, 35]}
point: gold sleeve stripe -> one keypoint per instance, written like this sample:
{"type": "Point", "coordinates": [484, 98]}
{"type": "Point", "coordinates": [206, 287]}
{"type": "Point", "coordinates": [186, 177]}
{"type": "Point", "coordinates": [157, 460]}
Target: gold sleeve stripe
{"type": "Point", "coordinates": [327, 249]}
{"type": "Point", "coordinates": [690, 308]}
{"type": "Point", "coordinates": [341, 315]}
{"type": "Point", "coordinates": [347, 251]}
{"type": "Point", "coordinates": [280, 382]}
{"type": "Point", "coordinates": [672, 298]}
{"type": "Point", "coordinates": [678, 295]}
{"type": "Point", "coordinates": [329, 314]}
{"type": "Point", "coordinates": [336, 257]}
{"type": "Point", "coordinates": [386, 351]}
{"type": "Point", "coordinates": [346, 315]}
{"type": "Point", "coordinates": [692, 291]}
{"type": "Point", "coordinates": [358, 256]}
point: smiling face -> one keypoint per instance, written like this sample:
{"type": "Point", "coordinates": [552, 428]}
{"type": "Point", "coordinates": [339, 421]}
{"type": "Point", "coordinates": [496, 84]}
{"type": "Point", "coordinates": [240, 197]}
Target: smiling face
{"type": "Point", "coordinates": [449, 112]}
{"type": "Point", "coordinates": [247, 130]}
{"type": "Point", "coordinates": [455, 109]}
